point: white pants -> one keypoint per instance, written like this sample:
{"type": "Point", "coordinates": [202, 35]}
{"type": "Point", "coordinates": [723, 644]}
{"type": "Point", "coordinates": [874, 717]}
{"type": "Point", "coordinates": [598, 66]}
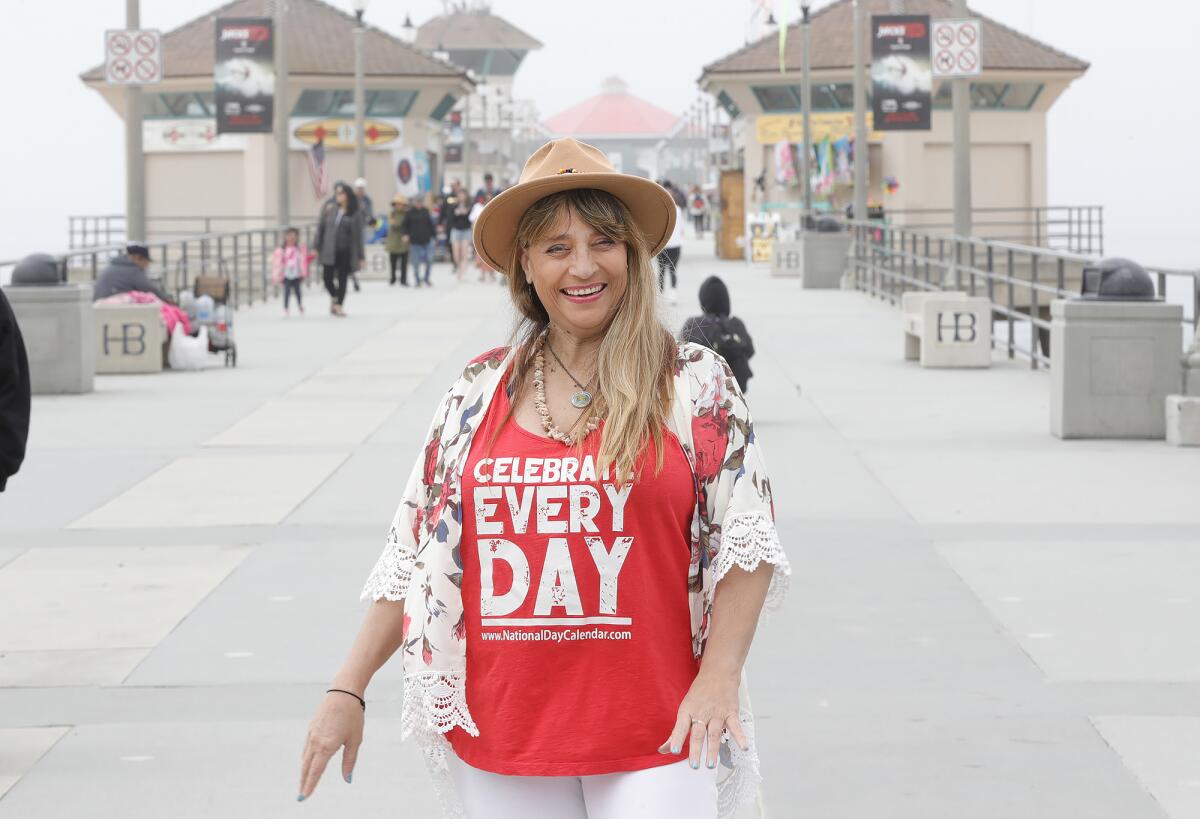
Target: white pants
{"type": "Point", "coordinates": [664, 792]}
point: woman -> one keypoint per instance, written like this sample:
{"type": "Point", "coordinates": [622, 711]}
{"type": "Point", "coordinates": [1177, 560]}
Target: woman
{"type": "Point", "coordinates": [720, 332]}
{"type": "Point", "coordinates": [397, 241]}
{"type": "Point", "coordinates": [458, 206]}
{"type": "Point", "coordinates": [581, 553]}
{"type": "Point", "coordinates": [668, 259]}
{"type": "Point", "coordinates": [340, 243]}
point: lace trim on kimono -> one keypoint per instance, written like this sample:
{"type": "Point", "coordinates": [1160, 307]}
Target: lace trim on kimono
{"type": "Point", "coordinates": [740, 786]}
{"type": "Point", "coordinates": [434, 703]}
{"type": "Point", "coordinates": [434, 748]}
{"type": "Point", "coordinates": [748, 539]}
{"type": "Point", "coordinates": [392, 574]}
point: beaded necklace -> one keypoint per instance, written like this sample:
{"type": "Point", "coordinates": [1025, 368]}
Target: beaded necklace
{"type": "Point", "coordinates": [539, 397]}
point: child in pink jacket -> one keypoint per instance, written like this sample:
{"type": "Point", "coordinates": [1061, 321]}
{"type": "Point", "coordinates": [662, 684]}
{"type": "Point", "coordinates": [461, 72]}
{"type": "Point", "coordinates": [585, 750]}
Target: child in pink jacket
{"type": "Point", "coordinates": [289, 267]}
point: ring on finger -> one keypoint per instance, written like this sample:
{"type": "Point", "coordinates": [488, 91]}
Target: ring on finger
{"type": "Point", "coordinates": [698, 721]}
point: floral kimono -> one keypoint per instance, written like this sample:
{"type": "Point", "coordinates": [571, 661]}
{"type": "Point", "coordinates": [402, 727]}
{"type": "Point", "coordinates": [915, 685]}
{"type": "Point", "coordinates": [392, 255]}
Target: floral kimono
{"type": "Point", "coordinates": [421, 564]}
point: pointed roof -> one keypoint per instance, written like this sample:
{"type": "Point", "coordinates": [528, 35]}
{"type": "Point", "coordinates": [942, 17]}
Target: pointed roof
{"type": "Point", "coordinates": [319, 41]}
{"type": "Point", "coordinates": [1004, 48]}
{"type": "Point", "coordinates": [470, 30]}
{"type": "Point", "coordinates": [614, 112]}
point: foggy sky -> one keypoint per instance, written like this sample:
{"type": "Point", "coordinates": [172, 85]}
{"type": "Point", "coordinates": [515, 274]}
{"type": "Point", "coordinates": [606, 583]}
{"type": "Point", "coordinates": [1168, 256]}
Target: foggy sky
{"type": "Point", "coordinates": [1122, 136]}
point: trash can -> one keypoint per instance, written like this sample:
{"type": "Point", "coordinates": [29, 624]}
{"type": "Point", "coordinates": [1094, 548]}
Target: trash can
{"type": "Point", "coordinates": [1114, 355]}
{"type": "Point", "coordinates": [56, 321]}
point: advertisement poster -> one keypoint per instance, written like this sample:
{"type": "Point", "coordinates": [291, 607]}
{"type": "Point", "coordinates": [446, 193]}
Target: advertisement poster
{"type": "Point", "coordinates": [901, 74]}
{"type": "Point", "coordinates": [244, 73]}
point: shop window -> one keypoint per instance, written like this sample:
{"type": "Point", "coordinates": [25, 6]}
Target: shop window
{"type": "Point", "coordinates": [188, 105]}
{"type": "Point", "coordinates": [340, 103]}
{"type": "Point", "coordinates": [993, 96]}
{"type": "Point", "coordinates": [777, 97]}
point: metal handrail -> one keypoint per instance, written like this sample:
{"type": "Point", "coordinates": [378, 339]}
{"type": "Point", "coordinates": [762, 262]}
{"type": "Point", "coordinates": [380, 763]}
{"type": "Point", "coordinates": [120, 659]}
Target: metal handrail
{"type": "Point", "coordinates": [885, 260]}
{"type": "Point", "coordinates": [1073, 228]}
{"type": "Point", "coordinates": [245, 255]}
{"type": "Point", "coordinates": [106, 229]}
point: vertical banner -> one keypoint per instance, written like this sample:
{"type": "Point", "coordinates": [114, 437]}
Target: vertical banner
{"type": "Point", "coordinates": [404, 168]}
{"type": "Point", "coordinates": [901, 74]}
{"type": "Point", "coordinates": [244, 74]}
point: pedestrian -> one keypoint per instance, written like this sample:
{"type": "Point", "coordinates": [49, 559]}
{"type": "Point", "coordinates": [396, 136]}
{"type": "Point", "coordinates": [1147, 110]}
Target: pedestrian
{"type": "Point", "coordinates": [369, 220]}
{"type": "Point", "coordinates": [489, 189]}
{"type": "Point", "coordinates": [486, 272]}
{"type": "Point", "coordinates": [458, 208]}
{"type": "Point", "coordinates": [420, 230]}
{"type": "Point", "coordinates": [397, 242]}
{"type": "Point", "coordinates": [126, 273]}
{"type": "Point", "coordinates": [340, 244]}
{"type": "Point", "coordinates": [720, 332]}
{"type": "Point", "coordinates": [668, 259]}
{"type": "Point", "coordinates": [289, 267]}
{"type": "Point", "coordinates": [15, 394]}
{"type": "Point", "coordinates": [586, 540]}
{"type": "Point", "coordinates": [696, 209]}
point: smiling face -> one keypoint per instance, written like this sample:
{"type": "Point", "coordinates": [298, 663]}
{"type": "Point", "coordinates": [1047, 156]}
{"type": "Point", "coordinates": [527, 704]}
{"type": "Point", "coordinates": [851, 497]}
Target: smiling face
{"type": "Point", "coordinates": [578, 273]}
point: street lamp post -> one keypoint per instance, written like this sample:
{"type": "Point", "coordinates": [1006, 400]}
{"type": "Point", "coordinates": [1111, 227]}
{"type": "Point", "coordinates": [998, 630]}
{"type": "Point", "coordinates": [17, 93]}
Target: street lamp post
{"type": "Point", "coordinates": [282, 193]}
{"type": "Point", "coordinates": [861, 149]}
{"type": "Point", "coordinates": [806, 107]}
{"type": "Point", "coordinates": [960, 92]}
{"type": "Point", "coordinates": [135, 167]}
{"type": "Point", "coordinates": [360, 154]}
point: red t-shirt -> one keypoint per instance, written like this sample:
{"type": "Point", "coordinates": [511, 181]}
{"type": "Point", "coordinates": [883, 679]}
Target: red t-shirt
{"type": "Point", "coordinates": [579, 643]}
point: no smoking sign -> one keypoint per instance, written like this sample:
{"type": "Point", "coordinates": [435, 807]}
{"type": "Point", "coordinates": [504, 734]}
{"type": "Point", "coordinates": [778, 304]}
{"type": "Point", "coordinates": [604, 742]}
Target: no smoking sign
{"type": "Point", "coordinates": [956, 48]}
{"type": "Point", "coordinates": [133, 57]}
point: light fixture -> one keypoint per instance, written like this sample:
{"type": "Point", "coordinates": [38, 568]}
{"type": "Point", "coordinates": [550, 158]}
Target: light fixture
{"type": "Point", "coordinates": [408, 32]}
{"type": "Point", "coordinates": [359, 6]}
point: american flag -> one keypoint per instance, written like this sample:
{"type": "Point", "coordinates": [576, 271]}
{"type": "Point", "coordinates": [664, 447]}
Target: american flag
{"type": "Point", "coordinates": [317, 171]}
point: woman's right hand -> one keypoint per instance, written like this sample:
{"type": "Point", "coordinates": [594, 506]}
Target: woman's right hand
{"type": "Point", "coordinates": [338, 723]}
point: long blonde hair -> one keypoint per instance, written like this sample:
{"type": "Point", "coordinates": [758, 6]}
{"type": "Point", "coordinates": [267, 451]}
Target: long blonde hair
{"type": "Point", "coordinates": [635, 365]}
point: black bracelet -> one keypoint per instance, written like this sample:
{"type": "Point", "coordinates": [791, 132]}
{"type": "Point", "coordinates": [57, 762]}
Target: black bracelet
{"type": "Point", "coordinates": [361, 701]}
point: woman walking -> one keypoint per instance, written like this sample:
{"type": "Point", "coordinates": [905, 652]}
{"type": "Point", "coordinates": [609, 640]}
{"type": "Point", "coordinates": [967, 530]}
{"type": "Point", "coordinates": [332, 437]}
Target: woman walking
{"type": "Point", "coordinates": [668, 259]}
{"type": "Point", "coordinates": [397, 242]}
{"type": "Point", "coordinates": [582, 550]}
{"type": "Point", "coordinates": [459, 216]}
{"type": "Point", "coordinates": [340, 243]}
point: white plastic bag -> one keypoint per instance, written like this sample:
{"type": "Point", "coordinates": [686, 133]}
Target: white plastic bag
{"type": "Point", "coordinates": [186, 352]}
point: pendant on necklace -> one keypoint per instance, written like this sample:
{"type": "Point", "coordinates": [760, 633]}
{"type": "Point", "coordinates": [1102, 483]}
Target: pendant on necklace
{"type": "Point", "coordinates": [581, 399]}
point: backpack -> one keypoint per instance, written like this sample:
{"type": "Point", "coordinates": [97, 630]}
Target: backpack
{"type": "Point", "coordinates": [715, 333]}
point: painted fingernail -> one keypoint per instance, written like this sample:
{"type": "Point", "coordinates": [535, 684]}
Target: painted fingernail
{"type": "Point", "coordinates": [300, 798]}
{"type": "Point", "coordinates": [712, 765]}
{"type": "Point", "coordinates": [674, 749]}
{"type": "Point", "coordinates": [696, 765]}
{"type": "Point", "coordinates": [349, 777]}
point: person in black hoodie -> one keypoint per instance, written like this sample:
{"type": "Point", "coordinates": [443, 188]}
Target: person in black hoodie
{"type": "Point", "coordinates": [14, 394]}
{"type": "Point", "coordinates": [725, 335]}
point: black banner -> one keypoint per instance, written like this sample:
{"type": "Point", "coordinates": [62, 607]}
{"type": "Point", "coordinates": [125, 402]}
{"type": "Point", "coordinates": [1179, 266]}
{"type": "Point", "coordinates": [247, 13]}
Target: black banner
{"type": "Point", "coordinates": [901, 75]}
{"type": "Point", "coordinates": [244, 73]}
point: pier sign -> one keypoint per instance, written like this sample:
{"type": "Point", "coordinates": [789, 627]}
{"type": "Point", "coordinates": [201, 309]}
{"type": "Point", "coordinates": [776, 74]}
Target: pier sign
{"type": "Point", "coordinates": [133, 56]}
{"type": "Point", "coordinates": [956, 48]}
{"type": "Point", "coordinates": [901, 79]}
{"type": "Point", "coordinates": [244, 75]}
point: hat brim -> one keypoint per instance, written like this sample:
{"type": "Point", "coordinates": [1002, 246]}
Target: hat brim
{"type": "Point", "coordinates": [650, 205]}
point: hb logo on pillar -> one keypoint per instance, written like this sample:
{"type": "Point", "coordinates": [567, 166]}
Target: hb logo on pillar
{"type": "Point", "coordinates": [962, 326]}
{"type": "Point", "coordinates": [132, 339]}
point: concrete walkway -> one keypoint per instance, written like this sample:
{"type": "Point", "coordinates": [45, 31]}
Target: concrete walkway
{"type": "Point", "coordinates": [984, 621]}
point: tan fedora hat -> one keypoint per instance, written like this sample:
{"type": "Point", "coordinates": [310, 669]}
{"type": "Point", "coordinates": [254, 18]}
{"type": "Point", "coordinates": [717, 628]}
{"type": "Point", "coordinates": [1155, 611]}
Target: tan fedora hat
{"type": "Point", "coordinates": [566, 164]}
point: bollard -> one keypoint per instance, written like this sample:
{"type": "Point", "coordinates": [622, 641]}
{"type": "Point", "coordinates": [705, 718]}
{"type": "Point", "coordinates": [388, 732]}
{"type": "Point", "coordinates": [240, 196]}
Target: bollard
{"type": "Point", "coordinates": [1183, 411]}
{"type": "Point", "coordinates": [1114, 354]}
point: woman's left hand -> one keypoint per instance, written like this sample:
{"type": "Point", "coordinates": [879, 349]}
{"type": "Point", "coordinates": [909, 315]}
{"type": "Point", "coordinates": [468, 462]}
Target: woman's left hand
{"type": "Point", "coordinates": [710, 707]}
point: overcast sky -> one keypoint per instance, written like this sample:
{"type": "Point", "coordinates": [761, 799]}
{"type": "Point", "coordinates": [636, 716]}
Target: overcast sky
{"type": "Point", "coordinates": [1124, 136]}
